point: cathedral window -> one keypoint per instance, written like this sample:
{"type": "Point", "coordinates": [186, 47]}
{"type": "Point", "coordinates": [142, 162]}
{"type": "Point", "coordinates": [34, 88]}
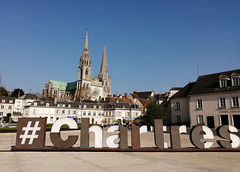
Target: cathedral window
{"type": "Point", "coordinates": [86, 72]}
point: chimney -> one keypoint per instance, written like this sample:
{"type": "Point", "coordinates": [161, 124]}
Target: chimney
{"type": "Point", "coordinates": [120, 95]}
{"type": "Point", "coordinates": [114, 95]}
{"type": "Point", "coordinates": [135, 92]}
{"type": "Point", "coordinates": [126, 95]}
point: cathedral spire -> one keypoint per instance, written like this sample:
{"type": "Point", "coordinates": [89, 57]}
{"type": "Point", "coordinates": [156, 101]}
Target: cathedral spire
{"type": "Point", "coordinates": [85, 49]}
{"type": "Point", "coordinates": [104, 65]}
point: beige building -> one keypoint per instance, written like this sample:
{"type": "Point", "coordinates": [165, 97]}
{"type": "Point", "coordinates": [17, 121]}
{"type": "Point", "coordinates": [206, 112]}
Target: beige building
{"type": "Point", "coordinates": [13, 106]}
{"type": "Point", "coordinates": [98, 113]}
{"type": "Point", "coordinates": [6, 106]}
{"type": "Point", "coordinates": [212, 100]}
{"type": "Point", "coordinates": [86, 87]}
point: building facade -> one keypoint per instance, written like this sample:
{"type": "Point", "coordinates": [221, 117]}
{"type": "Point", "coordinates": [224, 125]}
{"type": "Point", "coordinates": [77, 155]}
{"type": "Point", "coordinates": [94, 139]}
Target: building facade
{"type": "Point", "coordinates": [98, 113]}
{"type": "Point", "coordinates": [86, 87]}
{"type": "Point", "coordinates": [212, 100]}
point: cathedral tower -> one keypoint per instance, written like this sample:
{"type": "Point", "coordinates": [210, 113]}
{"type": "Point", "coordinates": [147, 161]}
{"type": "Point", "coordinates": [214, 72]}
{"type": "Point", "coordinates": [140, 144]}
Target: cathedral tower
{"type": "Point", "coordinates": [104, 75]}
{"type": "Point", "coordinates": [83, 91]}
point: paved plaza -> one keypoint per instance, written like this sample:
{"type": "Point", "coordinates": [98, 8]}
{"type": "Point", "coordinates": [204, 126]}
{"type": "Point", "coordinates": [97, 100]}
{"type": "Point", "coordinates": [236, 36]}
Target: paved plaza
{"type": "Point", "coordinates": [114, 161]}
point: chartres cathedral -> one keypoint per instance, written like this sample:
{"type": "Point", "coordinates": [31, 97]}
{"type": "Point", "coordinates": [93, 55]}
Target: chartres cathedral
{"type": "Point", "coordinates": [86, 88]}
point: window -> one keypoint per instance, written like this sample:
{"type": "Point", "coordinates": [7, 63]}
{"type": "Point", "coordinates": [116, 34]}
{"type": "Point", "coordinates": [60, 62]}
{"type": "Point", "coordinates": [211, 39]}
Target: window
{"type": "Point", "coordinates": [84, 113]}
{"type": "Point", "coordinates": [123, 106]}
{"type": "Point", "coordinates": [199, 104]}
{"type": "Point", "coordinates": [178, 119]}
{"type": "Point", "coordinates": [99, 107]}
{"type": "Point", "coordinates": [222, 103]}
{"type": "Point", "coordinates": [18, 103]}
{"type": "Point", "coordinates": [80, 106]}
{"type": "Point", "coordinates": [34, 104]}
{"type": "Point", "coordinates": [86, 72]}
{"type": "Point", "coordinates": [40, 111]}
{"type": "Point", "coordinates": [177, 105]}
{"type": "Point", "coordinates": [58, 111]}
{"type": "Point", "coordinates": [47, 104]}
{"type": "Point", "coordinates": [10, 101]}
{"type": "Point", "coordinates": [235, 81]}
{"type": "Point", "coordinates": [69, 112]}
{"type": "Point", "coordinates": [223, 83]}
{"type": "Point", "coordinates": [63, 105]}
{"type": "Point", "coordinates": [1, 113]}
{"type": "Point", "coordinates": [2, 106]}
{"type": "Point", "coordinates": [200, 119]}
{"type": "Point", "coordinates": [119, 113]}
{"type": "Point", "coordinates": [84, 106]}
{"type": "Point", "coordinates": [10, 107]}
{"type": "Point", "coordinates": [89, 113]}
{"type": "Point", "coordinates": [69, 106]}
{"type": "Point", "coordinates": [94, 113]}
{"type": "Point", "coordinates": [94, 107]}
{"type": "Point", "coordinates": [3, 101]}
{"type": "Point", "coordinates": [51, 111]}
{"type": "Point", "coordinates": [34, 111]}
{"type": "Point", "coordinates": [99, 114]}
{"type": "Point", "coordinates": [63, 112]}
{"type": "Point", "coordinates": [235, 102]}
{"type": "Point", "coordinates": [74, 112]}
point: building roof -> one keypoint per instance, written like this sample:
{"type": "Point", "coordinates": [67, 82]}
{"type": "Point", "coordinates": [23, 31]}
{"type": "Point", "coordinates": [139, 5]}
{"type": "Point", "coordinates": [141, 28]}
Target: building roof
{"type": "Point", "coordinates": [7, 99]}
{"type": "Point", "coordinates": [144, 102]}
{"type": "Point", "coordinates": [206, 84]}
{"type": "Point", "coordinates": [29, 96]}
{"type": "Point", "coordinates": [59, 84]}
{"type": "Point", "coordinates": [64, 85]}
{"type": "Point", "coordinates": [184, 91]}
{"type": "Point", "coordinates": [71, 86]}
{"type": "Point", "coordinates": [144, 95]}
{"type": "Point", "coordinates": [117, 99]}
{"type": "Point", "coordinates": [210, 83]}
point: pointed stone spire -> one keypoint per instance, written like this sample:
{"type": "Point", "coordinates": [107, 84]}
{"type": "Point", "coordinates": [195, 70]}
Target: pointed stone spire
{"type": "Point", "coordinates": [85, 49]}
{"type": "Point", "coordinates": [104, 65]}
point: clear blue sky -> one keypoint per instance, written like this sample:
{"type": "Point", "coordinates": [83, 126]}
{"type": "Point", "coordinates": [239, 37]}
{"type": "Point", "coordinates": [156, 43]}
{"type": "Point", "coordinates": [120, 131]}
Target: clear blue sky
{"type": "Point", "coordinates": [151, 45]}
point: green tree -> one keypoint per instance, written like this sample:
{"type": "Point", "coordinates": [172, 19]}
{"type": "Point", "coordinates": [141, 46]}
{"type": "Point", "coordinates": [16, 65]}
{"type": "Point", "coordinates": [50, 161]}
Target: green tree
{"type": "Point", "coordinates": [3, 91]}
{"type": "Point", "coordinates": [154, 111]}
{"type": "Point", "coordinates": [17, 92]}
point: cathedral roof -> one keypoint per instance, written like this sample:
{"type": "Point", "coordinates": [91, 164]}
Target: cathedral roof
{"type": "Point", "coordinates": [64, 85]}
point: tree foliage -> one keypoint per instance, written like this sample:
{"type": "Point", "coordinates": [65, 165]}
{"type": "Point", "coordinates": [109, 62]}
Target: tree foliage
{"type": "Point", "coordinates": [3, 91]}
{"type": "Point", "coordinates": [17, 92]}
{"type": "Point", "coordinates": [154, 111]}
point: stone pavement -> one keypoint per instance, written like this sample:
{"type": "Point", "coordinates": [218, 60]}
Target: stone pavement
{"type": "Point", "coordinates": [114, 161]}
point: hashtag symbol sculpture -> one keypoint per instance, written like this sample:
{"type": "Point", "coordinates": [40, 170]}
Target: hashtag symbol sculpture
{"type": "Point", "coordinates": [27, 134]}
